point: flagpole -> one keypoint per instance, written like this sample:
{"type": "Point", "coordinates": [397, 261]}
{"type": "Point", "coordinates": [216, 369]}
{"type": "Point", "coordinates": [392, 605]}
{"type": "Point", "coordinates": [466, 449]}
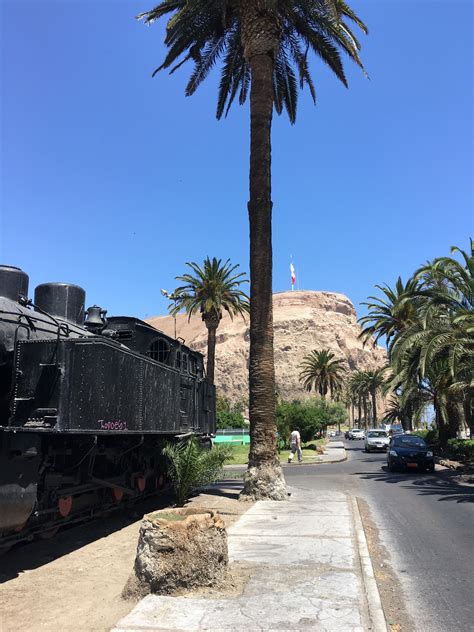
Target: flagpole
{"type": "Point", "coordinates": [292, 274]}
{"type": "Point", "coordinates": [291, 279]}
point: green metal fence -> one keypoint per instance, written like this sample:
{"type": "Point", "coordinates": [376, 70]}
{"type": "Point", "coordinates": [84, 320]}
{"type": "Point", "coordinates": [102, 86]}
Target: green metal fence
{"type": "Point", "coordinates": [234, 437]}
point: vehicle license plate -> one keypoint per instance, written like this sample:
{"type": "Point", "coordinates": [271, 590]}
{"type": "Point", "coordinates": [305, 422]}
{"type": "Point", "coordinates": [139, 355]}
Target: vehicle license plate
{"type": "Point", "coordinates": [412, 464]}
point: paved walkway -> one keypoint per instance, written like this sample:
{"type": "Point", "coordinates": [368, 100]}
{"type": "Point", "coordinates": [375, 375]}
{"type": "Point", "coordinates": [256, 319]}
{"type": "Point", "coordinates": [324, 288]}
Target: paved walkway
{"type": "Point", "coordinates": [309, 570]}
{"type": "Point", "coordinates": [335, 452]}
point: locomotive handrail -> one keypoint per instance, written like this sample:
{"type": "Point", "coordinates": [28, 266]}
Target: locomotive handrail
{"type": "Point", "coordinates": [32, 321]}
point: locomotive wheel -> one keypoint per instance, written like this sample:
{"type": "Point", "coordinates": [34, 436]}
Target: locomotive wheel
{"type": "Point", "coordinates": [117, 494]}
{"type": "Point", "coordinates": [140, 482]}
{"type": "Point", "coordinates": [65, 505]}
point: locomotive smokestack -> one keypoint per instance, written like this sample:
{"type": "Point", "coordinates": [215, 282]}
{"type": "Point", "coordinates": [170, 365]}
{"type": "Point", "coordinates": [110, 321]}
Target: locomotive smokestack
{"type": "Point", "coordinates": [62, 300]}
{"type": "Point", "coordinates": [13, 283]}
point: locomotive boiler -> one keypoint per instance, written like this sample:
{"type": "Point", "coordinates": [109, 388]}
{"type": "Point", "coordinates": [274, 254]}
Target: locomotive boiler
{"type": "Point", "coordinates": [86, 404]}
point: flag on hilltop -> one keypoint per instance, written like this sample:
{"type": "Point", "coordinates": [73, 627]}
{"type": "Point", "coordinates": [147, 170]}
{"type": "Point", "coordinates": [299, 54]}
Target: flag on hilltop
{"type": "Point", "coordinates": [293, 275]}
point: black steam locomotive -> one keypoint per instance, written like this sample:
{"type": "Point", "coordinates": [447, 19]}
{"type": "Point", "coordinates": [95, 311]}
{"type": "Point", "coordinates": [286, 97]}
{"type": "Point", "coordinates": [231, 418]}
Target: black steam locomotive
{"type": "Point", "coordinates": [86, 404]}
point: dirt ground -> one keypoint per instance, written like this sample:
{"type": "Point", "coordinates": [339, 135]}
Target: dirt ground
{"type": "Point", "coordinates": [74, 582]}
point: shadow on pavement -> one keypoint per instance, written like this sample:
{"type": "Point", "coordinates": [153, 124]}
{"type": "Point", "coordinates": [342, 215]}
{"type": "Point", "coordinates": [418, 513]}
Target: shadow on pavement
{"type": "Point", "coordinates": [228, 488]}
{"type": "Point", "coordinates": [30, 555]}
{"type": "Point", "coordinates": [442, 484]}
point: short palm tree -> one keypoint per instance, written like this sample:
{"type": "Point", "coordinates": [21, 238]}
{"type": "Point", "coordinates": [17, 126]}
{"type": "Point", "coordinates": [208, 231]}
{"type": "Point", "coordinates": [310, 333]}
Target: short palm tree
{"type": "Point", "coordinates": [211, 289]}
{"type": "Point", "coordinates": [263, 46]}
{"type": "Point", "coordinates": [323, 372]}
{"type": "Point", "coordinates": [191, 466]}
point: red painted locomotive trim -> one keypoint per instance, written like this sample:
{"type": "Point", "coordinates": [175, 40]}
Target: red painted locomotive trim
{"type": "Point", "coordinates": [65, 505]}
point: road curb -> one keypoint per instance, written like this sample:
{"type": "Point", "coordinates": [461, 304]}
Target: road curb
{"type": "Point", "coordinates": [376, 613]}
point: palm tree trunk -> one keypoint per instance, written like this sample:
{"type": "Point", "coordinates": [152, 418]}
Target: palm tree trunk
{"type": "Point", "coordinates": [359, 410]}
{"type": "Point", "coordinates": [443, 430]}
{"type": "Point", "coordinates": [211, 352]}
{"type": "Point", "coordinates": [374, 409]}
{"type": "Point", "coordinates": [264, 477]}
{"type": "Point", "coordinates": [365, 412]}
{"type": "Point", "coordinates": [469, 412]}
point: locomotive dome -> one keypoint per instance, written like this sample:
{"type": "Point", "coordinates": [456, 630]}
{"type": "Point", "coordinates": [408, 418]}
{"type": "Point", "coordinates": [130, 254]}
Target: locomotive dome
{"type": "Point", "coordinates": [13, 282]}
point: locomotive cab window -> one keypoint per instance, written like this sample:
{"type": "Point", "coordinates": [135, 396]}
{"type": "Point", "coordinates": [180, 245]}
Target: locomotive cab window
{"type": "Point", "coordinates": [184, 360]}
{"type": "Point", "coordinates": [192, 365]}
{"type": "Point", "coordinates": [178, 359]}
{"type": "Point", "coordinates": [159, 350]}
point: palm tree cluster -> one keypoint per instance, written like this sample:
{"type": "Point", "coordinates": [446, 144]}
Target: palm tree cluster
{"type": "Point", "coordinates": [429, 326]}
{"type": "Point", "coordinates": [362, 390]}
{"type": "Point", "coordinates": [329, 376]}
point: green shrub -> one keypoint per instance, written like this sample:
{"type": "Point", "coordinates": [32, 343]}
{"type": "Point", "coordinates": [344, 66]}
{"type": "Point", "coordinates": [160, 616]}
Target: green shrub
{"type": "Point", "coordinates": [310, 416]}
{"type": "Point", "coordinates": [461, 448]}
{"type": "Point", "coordinates": [229, 414]}
{"type": "Point", "coordinates": [190, 466]}
{"type": "Point", "coordinates": [230, 420]}
{"type": "Point", "coordinates": [430, 436]}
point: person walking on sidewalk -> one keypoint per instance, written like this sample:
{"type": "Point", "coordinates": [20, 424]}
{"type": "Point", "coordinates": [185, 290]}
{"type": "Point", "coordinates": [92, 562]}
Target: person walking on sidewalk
{"type": "Point", "coordinates": [295, 445]}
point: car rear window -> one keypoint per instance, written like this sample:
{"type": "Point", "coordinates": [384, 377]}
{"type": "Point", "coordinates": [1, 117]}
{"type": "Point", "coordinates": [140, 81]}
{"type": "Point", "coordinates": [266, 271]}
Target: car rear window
{"type": "Point", "coordinates": [411, 442]}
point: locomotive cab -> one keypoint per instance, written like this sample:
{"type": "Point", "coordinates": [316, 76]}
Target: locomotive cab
{"type": "Point", "coordinates": [145, 339]}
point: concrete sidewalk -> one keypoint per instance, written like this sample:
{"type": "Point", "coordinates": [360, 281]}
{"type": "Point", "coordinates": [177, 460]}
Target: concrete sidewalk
{"type": "Point", "coordinates": [309, 570]}
{"type": "Point", "coordinates": [335, 452]}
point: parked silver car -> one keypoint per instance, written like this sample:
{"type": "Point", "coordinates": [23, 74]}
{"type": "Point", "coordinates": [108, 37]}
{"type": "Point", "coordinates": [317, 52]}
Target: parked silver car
{"type": "Point", "coordinates": [376, 440]}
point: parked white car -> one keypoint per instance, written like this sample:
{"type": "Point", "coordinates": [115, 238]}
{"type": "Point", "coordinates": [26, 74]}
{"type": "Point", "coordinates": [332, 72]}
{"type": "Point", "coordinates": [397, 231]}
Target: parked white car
{"type": "Point", "coordinates": [376, 440]}
{"type": "Point", "coordinates": [357, 433]}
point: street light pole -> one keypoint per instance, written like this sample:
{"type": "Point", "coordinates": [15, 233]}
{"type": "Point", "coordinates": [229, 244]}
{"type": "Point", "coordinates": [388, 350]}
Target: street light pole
{"type": "Point", "coordinates": [172, 297]}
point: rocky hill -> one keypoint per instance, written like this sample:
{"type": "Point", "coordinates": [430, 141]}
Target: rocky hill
{"type": "Point", "coordinates": [303, 321]}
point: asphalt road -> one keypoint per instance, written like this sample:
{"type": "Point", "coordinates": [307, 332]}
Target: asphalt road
{"type": "Point", "coordinates": [426, 522]}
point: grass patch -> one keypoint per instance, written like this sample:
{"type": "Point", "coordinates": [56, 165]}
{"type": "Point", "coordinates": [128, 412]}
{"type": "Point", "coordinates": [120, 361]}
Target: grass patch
{"type": "Point", "coordinates": [240, 453]}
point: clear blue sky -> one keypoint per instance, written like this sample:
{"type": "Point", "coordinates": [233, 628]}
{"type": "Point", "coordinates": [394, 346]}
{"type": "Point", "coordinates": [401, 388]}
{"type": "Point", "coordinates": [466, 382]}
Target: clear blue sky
{"type": "Point", "coordinates": [113, 180]}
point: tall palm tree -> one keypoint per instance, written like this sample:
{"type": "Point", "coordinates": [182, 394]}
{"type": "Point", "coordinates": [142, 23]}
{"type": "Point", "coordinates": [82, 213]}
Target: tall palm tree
{"type": "Point", "coordinates": [360, 391]}
{"type": "Point", "coordinates": [390, 314]}
{"type": "Point", "coordinates": [263, 46]}
{"type": "Point", "coordinates": [324, 373]}
{"type": "Point", "coordinates": [211, 289]}
{"type": "Point", "coordinates": [374, 380]}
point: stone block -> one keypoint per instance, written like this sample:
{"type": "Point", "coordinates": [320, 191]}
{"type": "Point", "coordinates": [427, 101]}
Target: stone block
{"type": "Point", "coordinates": [178, 548]}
